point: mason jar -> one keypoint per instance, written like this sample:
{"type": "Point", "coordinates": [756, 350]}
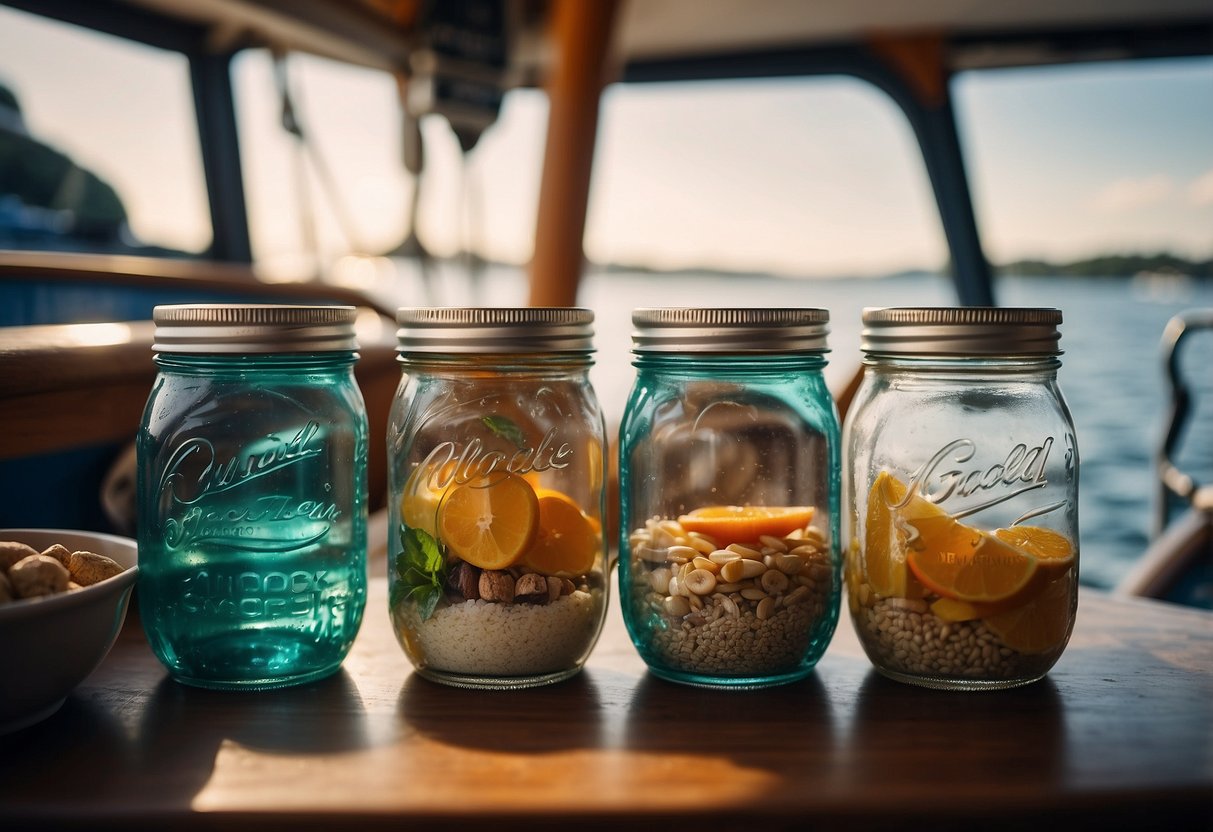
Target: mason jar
{"type": "Point", "coordinates": [252, 494]}
{"type": "Point", "coordinates": [961, 482]}
{"type": "Point", "coordinates": [496, 460]}
{"type": "Point", "coordinates": [729, 496]}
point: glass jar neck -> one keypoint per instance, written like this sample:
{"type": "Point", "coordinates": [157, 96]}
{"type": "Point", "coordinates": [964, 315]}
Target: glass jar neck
{"type": "Point", "coordinates": [731, 363]}
{"type": "Point", "coordinates": [282, 362]}
{"type": "Point", "coordinates": [1042, 366]}
{"type": "Point", "coordinates": [507, 363]}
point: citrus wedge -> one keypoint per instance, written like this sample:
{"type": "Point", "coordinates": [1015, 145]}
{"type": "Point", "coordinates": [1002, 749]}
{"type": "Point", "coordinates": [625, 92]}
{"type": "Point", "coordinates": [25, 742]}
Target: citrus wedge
{"type": "Point", "coordinates": [567, 541]}
{"type": "Point", "coordinates": [423, 493]}
{"type": "Point", "coordinates": [883, 555]}
{"type": "Point", "coordinates": [745, 524]}
{"type": "Point", "coordinates": [490, 522]}
{"type": "Point", "coordinates": [965, 564]}
{"type": "Point", "coordinates": [1052, 549]}
{"type": "Point", "coordinates": [1042, 624]}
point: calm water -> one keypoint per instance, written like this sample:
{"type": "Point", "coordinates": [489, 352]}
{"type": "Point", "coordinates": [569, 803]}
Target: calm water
{"type": "Point", "coordinates": [1111, 371]}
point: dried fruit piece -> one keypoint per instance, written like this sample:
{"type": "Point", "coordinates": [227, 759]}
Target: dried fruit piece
{"type": "Point", "coordinates": [746, 524]}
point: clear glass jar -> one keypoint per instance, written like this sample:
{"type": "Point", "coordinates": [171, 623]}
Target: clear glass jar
{"type": "Point", "coordinates": [729, 490]}
{"type": "Point", "coordinates": [252, 494]}
{"type": "Point", "coordinates": [961, 484]}
{"type": "Point", "coordinates": [496, 460]}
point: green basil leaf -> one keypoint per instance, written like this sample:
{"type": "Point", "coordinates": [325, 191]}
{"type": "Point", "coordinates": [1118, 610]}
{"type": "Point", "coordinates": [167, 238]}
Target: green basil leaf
{"type": "Point", "coordinates": [506, 429]}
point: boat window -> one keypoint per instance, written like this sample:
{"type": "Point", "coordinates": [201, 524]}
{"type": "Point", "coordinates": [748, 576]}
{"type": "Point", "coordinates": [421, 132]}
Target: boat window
{"type": "Point", "coordinates": [1119, 155]}
{"type": "Point", "coordinates": [801, 178]}
{"type": "Point", "coordinates": [332, 197]}
{"type": "Point", "coordinates": [98, 146]}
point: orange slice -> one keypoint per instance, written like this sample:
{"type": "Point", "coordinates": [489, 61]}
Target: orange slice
{"type": "Point", "coordinates": [1052, 549]}
{"type": "Point", "coordinates": [883, 555]}
{"type": "Point", "coordinates": [567, 541]}
{"type": "Point", "coordinates": [423, 494]}
{"type": "Point", "coordinates": [1041, 625]}
{"type": "Point", "coordinates": [490, 522]}
{"type": "Point", "coordinates": [745, 524]}
{"type": "Point", "coordinates": [965, 564]}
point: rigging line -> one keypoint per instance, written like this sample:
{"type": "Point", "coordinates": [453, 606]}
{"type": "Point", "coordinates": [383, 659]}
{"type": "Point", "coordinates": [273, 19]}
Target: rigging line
{"type": "Point", "coordinates": [290, 123]}
{"type": "Point", "coordinates": [320, 166]}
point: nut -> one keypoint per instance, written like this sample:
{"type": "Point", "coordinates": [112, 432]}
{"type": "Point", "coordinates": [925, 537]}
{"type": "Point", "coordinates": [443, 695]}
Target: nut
{"type": "Point", "coordinates": [464, 578]}
{"type": "Point", "coordinates": [11, 551]}
{"type": "Point", "coordinates": [700, 581]}
{"type": "Point", "coordinates": [497, 586]}
{"type": "Point", "coordinates": [556, 587]}
{"type": "Point", "coordinates": [38, 575]}
{"type": "Point", "coordinates": [6, 590]}
{"type": "Point", "coordinates": [88, 568]}
{"type": "Point", "coordinates": [774, 581]}
{"type": "Point", "coordinates": [531, 589]}
{"type": "Point", "coordinates": [60, 553]}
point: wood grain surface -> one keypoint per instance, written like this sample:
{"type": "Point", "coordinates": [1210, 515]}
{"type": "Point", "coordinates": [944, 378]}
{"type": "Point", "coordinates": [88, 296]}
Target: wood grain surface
{"type": "Point", "coordinates": [1117, 736]}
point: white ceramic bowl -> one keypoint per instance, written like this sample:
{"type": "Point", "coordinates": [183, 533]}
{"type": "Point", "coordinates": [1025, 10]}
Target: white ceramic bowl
{"type": "Point", "coordinates": [49, 645]}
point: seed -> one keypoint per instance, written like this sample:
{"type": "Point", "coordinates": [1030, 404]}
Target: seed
{"type": "Point", "coordinates": [650, 554]}
{"type": "Point", "coordinates": [696, 602]}
{"type": "Point", "coordinates": [700, 581]}
{"type": "Point", "coordinates": [733, 571]}
{"type": "Point", "coordinates": [744, 551]}
{"type": "Point", "coordinates": [752, 568]}
{"type": "Point", "coordinates": [677, 605]}
{"type": "Point", "coordinates": [675, 587]}
{"type": "Point", "coordinates": [773, 542]}
{"type": "Point", "coordinates": [682, 553]}
{"type": "Point", "coordinates": [788, 564]}
{"type": "Point", "coordinates": [729, 606]}
{"type": "Point", "coordinates": [753, 593]}
{"type": "Point", "coordinates": [815, 535]}
{"type": "Point", "coordinates": [727, 588]}
{"type": "Point", "coordinates": [700, 543]}
{"type": "Point", "coordinates": [804, 551]}
{"type": "Point", "coordinates": [766, 607]}
{"type": "Point", "coordinates": [723, 556]}
{"type": "Point", "coordinates": [704, 563]}
{"type": "Point", "coordinates": [660, 579]}
{"type": "Point", "coordinates": [795, 596]}
{"type": "Point", "coordinates": [774, 581]}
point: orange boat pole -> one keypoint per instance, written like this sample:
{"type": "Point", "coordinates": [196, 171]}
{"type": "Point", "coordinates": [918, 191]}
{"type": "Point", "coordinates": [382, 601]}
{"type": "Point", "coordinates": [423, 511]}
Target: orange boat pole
{"type": "Point", "coordinates": [582, 33]}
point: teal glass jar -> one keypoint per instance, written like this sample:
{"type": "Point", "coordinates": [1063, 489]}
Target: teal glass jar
{"type": "Point", "coordinates": [729, 496]}
{"type": "Point", "coordinates": [252, 494]}
{"type": "Point", "coordinates": [496, 469]}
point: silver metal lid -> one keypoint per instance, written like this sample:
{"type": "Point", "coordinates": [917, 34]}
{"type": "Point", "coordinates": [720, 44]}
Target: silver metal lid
{"type": "Point", "coordinates": [467, 330]}
{"type": "Point", "coordinates": [220, 328]}
{"type": "Point", "coordinates": [730, 330]}
{"type": "Point", "coordinates": [960, 331]}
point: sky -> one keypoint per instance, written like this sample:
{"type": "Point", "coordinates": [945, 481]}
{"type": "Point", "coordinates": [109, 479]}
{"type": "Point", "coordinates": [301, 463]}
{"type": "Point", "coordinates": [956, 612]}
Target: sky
{"type": "Point", "coordinates": [812, 177]}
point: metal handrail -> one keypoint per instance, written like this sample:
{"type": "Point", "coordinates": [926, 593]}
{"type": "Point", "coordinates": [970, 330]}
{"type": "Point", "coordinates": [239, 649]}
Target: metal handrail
{"type": "Point", "coordinates": [1172, 480]}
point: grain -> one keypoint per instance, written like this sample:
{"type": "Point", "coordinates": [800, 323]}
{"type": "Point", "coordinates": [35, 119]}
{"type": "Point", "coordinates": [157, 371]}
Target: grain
{"type": "Point", "coordinates": [487, 639]}
{"type": "Point", "coordinates": [902, 635]}
{"type": "Point", "coordinates": [746, 619]}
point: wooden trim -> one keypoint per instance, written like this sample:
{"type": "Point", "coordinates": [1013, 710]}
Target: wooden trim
{"type": "Point", "coordinates": [201, 276]}
{"type": "Point", "coordinates": [582, 37]}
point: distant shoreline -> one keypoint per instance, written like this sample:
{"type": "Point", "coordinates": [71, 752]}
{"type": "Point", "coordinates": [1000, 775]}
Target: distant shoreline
{"type": "Point", "coordinates": [1105, 266]}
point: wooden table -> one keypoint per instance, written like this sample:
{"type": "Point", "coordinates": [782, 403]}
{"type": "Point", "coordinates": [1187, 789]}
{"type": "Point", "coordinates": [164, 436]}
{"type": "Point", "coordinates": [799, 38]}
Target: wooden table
{"type": "Point", "coordinates": [1117, 736]}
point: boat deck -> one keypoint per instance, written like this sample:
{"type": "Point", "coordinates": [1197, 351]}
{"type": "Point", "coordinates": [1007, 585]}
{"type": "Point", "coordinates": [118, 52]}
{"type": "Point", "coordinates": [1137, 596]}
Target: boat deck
{"type": "Point", "coordinates": [1117, 736]}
